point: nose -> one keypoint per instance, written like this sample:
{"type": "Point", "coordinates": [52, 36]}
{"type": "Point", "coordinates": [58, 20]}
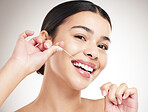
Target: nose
{"type": "Point", "coordinates": [91, 53]}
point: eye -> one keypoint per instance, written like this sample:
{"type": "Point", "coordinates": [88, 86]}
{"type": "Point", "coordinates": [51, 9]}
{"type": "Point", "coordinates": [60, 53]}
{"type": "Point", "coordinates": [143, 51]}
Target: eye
{"type": "Point", "coordinates": [103, 47]}
{"type": "Point", "coordinates": [80, 37]}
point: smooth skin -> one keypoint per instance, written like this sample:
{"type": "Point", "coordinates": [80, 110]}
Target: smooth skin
{"type": "Point", "coordinates": [26, 58]}
{"type": "Point", "coordinates": [59, 93]}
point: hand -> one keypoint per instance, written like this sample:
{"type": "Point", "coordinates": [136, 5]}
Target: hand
{"type": "Point", "coordinates": [31, 55]}
{"type": "Point", "coordinates": [119, 99]}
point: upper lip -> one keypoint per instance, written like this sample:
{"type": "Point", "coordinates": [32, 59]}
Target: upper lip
{"type": "Point", "coordinates": [92, 65]}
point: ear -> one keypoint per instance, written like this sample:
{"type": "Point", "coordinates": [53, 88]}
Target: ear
{"type": "Point", "coordinates": [44, 35]}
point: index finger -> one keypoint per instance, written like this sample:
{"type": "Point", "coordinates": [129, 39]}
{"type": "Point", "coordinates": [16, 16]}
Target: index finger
{"type": "Point", "coordinates": [105, 87]}
{"type": "Point", "coordinates": [26, 33]}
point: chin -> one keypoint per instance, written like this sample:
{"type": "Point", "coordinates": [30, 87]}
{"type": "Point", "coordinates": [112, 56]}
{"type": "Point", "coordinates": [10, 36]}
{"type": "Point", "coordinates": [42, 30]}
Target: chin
{"type": "Point", "coordinates": [79, 83]}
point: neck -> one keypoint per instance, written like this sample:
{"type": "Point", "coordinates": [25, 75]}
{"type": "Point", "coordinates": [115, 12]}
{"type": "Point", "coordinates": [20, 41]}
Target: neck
{"type": "Point", "coordinates": [56, 95]}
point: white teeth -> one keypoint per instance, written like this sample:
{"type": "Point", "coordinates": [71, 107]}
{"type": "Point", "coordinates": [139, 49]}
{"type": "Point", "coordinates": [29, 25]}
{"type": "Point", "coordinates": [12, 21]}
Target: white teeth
{"type": "Point", "coordinates": [82, 65]}
{"type": "Point", "coordinates": [87, 68]}
{"type": "Point", "coordinates": [79, 65]}
{"type": "Point", "coordinates": [90, 69]}
{"type": "Point", "coordinates": [76, 64]}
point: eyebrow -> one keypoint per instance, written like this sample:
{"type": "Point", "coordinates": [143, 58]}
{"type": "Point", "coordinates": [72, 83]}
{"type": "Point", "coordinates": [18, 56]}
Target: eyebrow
{"type": "Point", "coordinates": [85, 28]}
{"type": "Point", "coordinates": [106, 38]}
{"type": "Point", "coordinates": [91, 31]}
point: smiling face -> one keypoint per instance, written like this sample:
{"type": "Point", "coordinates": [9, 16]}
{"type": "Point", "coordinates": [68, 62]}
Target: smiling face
{"type": "Point", "coordinates": [86, 38]}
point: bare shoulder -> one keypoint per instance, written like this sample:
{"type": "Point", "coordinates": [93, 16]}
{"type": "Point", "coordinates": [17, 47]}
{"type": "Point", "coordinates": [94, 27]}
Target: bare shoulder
{"type": "Point", "coordinates": [27, 108]}
{"type": "Point", "coordinates": [88, 105]}
{"type": "Point", "coordinates": [22, 109]}
{"type": "Point", "coordinates": [94, 105]}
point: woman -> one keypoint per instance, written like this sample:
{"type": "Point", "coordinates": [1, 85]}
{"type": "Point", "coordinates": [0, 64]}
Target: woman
{"type": "Point", "coordinates": [72, 44]}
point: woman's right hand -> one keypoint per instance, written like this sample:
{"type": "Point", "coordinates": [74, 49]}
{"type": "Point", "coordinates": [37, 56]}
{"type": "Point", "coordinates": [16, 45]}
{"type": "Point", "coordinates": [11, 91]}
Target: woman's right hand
{"type": "Point", "coordinates": [31, 55]}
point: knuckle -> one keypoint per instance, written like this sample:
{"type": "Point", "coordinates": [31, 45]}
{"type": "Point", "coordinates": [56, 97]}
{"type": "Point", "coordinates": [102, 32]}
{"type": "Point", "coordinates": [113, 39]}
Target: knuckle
{"type": "Point", "coordinates": [113, 86]}
{"type": "Point", "coordinates": [123, 84]}
{"type": "Point", "coordinates": [23, 33]}
{"type": "Point", "coordinates": [127, 90]}
{"type": "Point", "coordinates": [106, 86]}
{"type": "Point", "coordinates": [26, 31]}
{"type": "Point", "coordinates": [109, 83]}
{"type": "Point", "coordinates": [103, 86]}
{"type": "Point", "coordinates": [135, 89]}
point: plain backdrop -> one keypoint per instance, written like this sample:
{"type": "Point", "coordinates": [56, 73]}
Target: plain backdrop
{"type": "Point", "coordinates": [127, 55]}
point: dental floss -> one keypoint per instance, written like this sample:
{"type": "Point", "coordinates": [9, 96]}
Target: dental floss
{"type": "Point", "coordinates": [63, 50]}
{"type": "Point", "coordinates": [36, 45]}
{"type": "Point", "coordinates": [91, 76]}
{"type": "Point", "coordinates": [68, 53]}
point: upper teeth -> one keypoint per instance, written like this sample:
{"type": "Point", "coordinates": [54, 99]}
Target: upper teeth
{"type": "Point", "coordinates": [87, 68]}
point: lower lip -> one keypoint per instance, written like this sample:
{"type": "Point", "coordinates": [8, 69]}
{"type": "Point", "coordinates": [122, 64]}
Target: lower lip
{"type": "Point", "coordinates": [83, 73]}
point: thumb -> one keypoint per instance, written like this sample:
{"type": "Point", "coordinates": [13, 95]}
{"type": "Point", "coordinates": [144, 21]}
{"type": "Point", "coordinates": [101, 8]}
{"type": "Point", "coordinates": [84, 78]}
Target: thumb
{"type": "Point", "coordinates": [38, 59]}
{"type": "Point", "coordinates": [52, 50]}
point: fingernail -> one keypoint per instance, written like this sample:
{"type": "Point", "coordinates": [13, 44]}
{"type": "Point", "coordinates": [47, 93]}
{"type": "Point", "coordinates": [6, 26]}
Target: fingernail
{"type": "Point", "coordinates": [114, 102]}
{"type": "Point", "coordinates": [104, 93]}
{"type": "Point", "coordinates": [119, 101]}
{"type": "Point", "coordinates": [124, 96]}
{"type": "Point", "coordinates": [61, 43]}
{"type": "Point", "coordinates": [47, 45]}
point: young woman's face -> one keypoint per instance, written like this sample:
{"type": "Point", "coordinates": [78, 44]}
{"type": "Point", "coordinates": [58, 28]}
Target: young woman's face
{"type": "Point", "coordinates": [86, 38]}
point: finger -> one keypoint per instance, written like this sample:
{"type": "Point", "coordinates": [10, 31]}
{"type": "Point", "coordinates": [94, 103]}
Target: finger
{"type": "Point", "coordinates": [111, 94]}
{"type": "Point", "coordinates": [132, 92]}
{"type": "Point", "coordinates": [61, 44]}
{"type": "Point", "coordinates": [104, 88]}
{"type": "Point", "coordinates": [26, 33]}
{"type": "Point", "coordinates": [40, 47]}
{"type": "Point", "coordinates": [36, 40]}
{"type": "Point", "coordinates": [49, 52]}
{"type": "Point", "coordinates": [120, 91]}
{"type": "Point", "coordinates": [47, 44]}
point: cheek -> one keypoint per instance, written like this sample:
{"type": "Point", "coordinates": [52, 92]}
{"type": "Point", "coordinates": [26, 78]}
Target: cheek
{"type": "Point", "coordinates": [73, 48]}
{"type": "Point", "coordinates": [58, 63]}
{"type": "Point", "coordinates": [102, 63]}
{"type": "Point", "coordinates": [103, 60]}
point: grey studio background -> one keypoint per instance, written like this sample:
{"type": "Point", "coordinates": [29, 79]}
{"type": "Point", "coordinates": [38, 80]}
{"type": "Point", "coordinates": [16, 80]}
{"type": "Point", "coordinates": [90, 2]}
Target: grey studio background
{"type": "Point", "coordinates": [127, 56]}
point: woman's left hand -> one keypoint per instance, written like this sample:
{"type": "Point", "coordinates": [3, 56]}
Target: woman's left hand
{"type": "Point", "coordinates": [119, 99]}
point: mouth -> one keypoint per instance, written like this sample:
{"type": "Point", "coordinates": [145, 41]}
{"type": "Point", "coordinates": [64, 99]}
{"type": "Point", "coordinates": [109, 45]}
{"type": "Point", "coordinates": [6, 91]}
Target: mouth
{"type": "Point", "coordinates": [84, 68]}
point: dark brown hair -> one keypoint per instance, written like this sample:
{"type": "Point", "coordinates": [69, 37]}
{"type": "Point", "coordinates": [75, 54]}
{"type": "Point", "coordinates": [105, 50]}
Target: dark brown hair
{"type": "Point", "coordinates": [58, 14]}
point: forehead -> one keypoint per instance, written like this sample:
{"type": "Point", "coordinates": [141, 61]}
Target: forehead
{"type": "Point", "coordinates": [92, 20]}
